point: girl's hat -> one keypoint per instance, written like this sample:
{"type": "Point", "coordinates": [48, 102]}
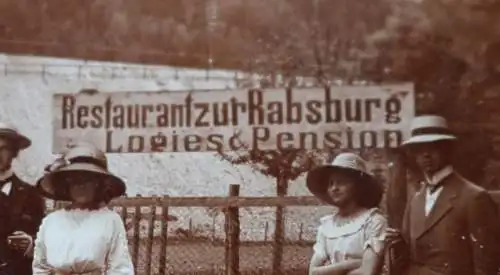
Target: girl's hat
{"type": "Point", "coordinates": [346, 163]}
{"type": "Point", "coordinates": [427, 129]}
{"type": "Point", "coordinates": [10, 132]}
{"type": "Point", "coordinates": [82, 158]}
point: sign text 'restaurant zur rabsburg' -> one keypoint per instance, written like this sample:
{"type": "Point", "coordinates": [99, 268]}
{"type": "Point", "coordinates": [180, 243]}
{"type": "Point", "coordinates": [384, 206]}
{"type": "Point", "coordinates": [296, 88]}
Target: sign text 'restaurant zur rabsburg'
{"type": "Point", "coordinates": [203, 121]}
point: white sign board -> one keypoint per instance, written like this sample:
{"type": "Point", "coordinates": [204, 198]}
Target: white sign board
{"type": "Point", "coordinates": [202, 121]}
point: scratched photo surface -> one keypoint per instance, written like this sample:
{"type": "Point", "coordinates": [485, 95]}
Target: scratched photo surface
{"type": "Point", "coordinates": [216, 113]}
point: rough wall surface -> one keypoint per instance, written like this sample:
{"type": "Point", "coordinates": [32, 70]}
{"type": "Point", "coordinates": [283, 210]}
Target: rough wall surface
{"type": "Point", "coordinates": [26, 92]}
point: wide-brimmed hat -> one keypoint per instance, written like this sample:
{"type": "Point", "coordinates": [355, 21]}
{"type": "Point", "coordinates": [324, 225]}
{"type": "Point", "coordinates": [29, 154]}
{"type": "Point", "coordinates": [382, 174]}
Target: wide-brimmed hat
{"type": "Point", "coordinates": [428, 129]}
{"type": "Point", "coordinates": [82, 158]}
{"type": "Point", "coordinates": [347, 163]}
{"type": "Point", "coordinates": [10, 132]}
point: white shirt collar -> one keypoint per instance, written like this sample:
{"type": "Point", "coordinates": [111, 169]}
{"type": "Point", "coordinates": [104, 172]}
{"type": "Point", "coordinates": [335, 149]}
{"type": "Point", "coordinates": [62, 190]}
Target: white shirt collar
{"type": "Point", "coordinates": [7, 187]}
{"type": "Point", "coordinates": [439, 175]}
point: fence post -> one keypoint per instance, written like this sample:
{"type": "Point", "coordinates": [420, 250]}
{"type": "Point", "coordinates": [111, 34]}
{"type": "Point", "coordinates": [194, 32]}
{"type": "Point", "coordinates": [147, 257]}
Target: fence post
{"type": "Point", "coordinates": [164, 237]}
{"type": "Point", "coordinates": [279, 237]}
{"type": "Point", "coordinates": [266, 231]}
{"type": "Point", "coordinates": [136, 221]}
{"type": "Point", "coordinates": [232, 224]}
{"type": "Point", "coordinates": [151, 231]}
{"type": "Point", "coordinates": [214, 221]}
{"type": "Point", "coordinates": [278, 241]}
{"type": "Point", "coordinates": [301, 231]}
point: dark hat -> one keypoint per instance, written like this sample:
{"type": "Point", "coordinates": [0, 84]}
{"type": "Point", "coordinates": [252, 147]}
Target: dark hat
{"type": "Point", "coordinates": [345, 163]}
{"type": "Point", "coordinates": [82, 158]}
{"type": "Point", "coordinates": [10, 132]}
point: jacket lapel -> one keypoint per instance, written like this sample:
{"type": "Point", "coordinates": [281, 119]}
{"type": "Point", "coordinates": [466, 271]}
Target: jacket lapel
{"type": "Point", "coordinates": [18, 195]}
{"type": "Point", "coordinates": [418, 214]}
{"type": "Point", "coordinates": [443, 205]}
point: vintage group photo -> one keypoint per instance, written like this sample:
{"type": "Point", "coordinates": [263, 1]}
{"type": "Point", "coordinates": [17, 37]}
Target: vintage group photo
{"type": "Point", "coordinates": [239, 137]}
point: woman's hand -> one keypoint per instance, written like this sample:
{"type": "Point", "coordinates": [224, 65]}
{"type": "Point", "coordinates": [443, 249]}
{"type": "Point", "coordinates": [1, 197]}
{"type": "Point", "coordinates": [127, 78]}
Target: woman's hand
{"type": "Point", "coordinates": [393, 236]}
{"type": "Point", "coordinates": [340, 268]}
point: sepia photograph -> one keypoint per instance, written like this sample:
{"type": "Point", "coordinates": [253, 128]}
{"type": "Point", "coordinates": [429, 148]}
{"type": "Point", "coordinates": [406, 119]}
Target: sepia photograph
{"type": "Point", "coordinates": [249, 137]}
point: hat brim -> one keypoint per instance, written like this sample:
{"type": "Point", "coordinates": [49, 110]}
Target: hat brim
{"type": "Point", "coordinates": [54, 186]}
{"type": "Point", "coordinates": [22, 142]}
{"type": "Point", "coordinates": [316, 178]}
{"type": "Point", "coordinates": [428, 139]}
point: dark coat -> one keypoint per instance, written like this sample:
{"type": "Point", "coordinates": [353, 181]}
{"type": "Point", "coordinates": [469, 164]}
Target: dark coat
{"type": "Point", "coordinates": [26, 209]}
{"type": "Point", "coordinates": [460, 236]}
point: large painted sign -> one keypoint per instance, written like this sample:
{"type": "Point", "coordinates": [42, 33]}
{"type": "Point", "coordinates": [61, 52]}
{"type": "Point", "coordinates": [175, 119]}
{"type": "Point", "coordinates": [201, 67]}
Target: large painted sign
{"type": "Point", "coordinates": [202, 121]}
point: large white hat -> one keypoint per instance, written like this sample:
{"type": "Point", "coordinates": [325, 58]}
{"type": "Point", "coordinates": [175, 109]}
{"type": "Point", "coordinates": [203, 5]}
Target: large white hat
{"type": "Point", "coordinates": [81, 158]}
{"type": "Point", "coordinates": [348, 163]}
{"type": "Point", "coordinates": [10, 132]}
{"type": "Point", "coordinates": [429, 128]}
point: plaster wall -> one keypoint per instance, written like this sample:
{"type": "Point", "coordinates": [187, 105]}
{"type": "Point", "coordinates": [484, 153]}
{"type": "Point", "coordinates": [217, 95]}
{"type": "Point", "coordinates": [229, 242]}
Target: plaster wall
{"type": "Point", "coordinates": [26, 88]}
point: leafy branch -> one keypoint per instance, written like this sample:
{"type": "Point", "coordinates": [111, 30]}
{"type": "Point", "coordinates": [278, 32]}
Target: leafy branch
{"type": "Point", "coordinates": [282, 164]}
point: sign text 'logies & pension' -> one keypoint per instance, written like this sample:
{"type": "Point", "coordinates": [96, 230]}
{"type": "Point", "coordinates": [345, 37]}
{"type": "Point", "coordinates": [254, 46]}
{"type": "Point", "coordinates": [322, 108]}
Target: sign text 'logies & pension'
{"type": "Point", "coordinates": [221, 120]}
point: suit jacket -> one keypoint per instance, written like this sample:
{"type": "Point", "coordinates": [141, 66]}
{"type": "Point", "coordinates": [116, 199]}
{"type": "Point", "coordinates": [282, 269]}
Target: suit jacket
{"type": "Point", "coordinates": [460, 236]}
{"type": "Point", "coordinates": [27, 209]}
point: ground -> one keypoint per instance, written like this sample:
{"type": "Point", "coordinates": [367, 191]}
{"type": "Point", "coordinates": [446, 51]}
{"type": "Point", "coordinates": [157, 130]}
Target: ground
{"type": "Point", "coordinates": [205, 258]}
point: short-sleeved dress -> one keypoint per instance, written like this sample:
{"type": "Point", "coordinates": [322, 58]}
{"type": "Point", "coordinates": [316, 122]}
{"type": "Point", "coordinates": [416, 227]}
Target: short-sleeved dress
{"type": "Point", "coordinates": [89, 242]}
{"type": "Point", "coordinates": [340, 239]}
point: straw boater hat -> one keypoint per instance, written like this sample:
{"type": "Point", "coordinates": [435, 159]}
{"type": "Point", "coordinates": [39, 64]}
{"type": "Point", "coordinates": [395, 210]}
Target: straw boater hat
{"type": "Point", "coordinates": [81, 158]}
{"type": "Point", "coordinates": [427, 129]}
{"type": "Point", "coordinates": [10, 132]}
{"type": "Point", "coordinates": [347, 163]}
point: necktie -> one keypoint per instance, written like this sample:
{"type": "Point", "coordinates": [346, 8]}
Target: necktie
{"type": "Point", "coordinates": [434, 187]}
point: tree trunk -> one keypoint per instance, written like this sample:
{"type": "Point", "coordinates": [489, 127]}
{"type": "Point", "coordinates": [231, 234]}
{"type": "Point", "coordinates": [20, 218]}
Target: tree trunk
{"type": "Point", "coordinates": [396, 191]}
{"type": "Point", "coordinates": [396, 199]}
{"type": "Point", "coordinates": [279, 238]}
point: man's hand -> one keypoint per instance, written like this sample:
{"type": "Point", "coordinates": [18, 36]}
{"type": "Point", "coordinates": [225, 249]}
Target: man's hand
{"type": "Point", "coordinates": [20, 241]}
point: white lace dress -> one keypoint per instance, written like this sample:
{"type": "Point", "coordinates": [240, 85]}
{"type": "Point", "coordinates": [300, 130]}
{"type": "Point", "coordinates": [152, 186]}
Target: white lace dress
{"type": "Point", "coordinates": [339, 239]}
{"type": "Point", "coordinates": [82, 242]}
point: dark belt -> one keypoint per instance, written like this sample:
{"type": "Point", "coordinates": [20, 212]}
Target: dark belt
{"type": "Point", "coordinates": [79, 273]}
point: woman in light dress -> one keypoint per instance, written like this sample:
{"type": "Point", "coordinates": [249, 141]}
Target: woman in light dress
{"type": "Point", "coordinates": [86, 237]}
{"type": "Point", "coordinates": [351, 240]}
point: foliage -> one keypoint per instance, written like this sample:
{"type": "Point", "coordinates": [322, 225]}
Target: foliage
{"type": "Point", "coordinates": [450, 50]}
{"type": "Point", "coordinates": [323, 39]}
{"type": "Point", "coordinates": [278, 35]}
{"type": "Point", "coordinates": [284, 165]}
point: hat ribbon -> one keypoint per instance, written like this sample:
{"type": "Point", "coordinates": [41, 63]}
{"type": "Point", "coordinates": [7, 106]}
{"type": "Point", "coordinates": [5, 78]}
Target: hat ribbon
{"type": "Point", "coordinates": [431, 131]}
{"type": "Point", "coordinates": [63, 162]}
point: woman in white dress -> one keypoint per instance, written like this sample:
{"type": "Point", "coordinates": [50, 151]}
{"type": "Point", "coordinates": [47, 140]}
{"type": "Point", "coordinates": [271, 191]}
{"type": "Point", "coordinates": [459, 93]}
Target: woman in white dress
{"type": "Point", "coordinates": [86, 237]}
{"type": "Point", "coordinates": [351, 240]}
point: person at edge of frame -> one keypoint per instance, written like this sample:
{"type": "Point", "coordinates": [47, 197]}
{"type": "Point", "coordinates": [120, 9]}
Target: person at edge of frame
{"type": "Point", "coordinates": [451, 225]}
{"type": "Point", "coordinates": [350, 241]}
{"type": "Point", "coordinates": [22, 207]}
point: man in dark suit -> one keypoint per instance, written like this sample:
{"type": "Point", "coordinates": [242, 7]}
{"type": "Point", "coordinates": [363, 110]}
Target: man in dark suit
{"type": "Point", "coordinates": [451, 225]}
{"type": "Point", "coordinates": [24, 207]}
